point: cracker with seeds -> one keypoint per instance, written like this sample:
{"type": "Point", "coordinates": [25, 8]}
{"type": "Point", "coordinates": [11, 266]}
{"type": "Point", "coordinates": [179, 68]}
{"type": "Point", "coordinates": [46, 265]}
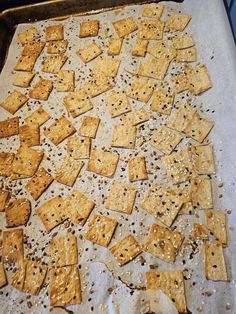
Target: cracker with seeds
{"type": "Point", "coordinates": [216, 224]}
{"type": "Point", "coordinates": [65, 286]}
{"type": "Point", "coordinates": [14, 101]}
{"type": "Point", "coordinates": [78, 147]}
{"type": "Point", "coordinates": [9, 127]}
{"type": "Point", "coordinates": [31, 34]}
{"type": "Point", "coordinates": [41, 90]}
{"type": "Point", "coordinates": [125, 26]}
{"type": "Point", "coordinates": [29, 135]}
{"type": "Point", "coordinates": [124, 136]}
{"type": "Point", "coordinates": [117, 103]}
{"type": "Point", "coordinates": [69, 171]}
{"type": "Point", "coordinates": [23, 79]}
{"type": "Point", "coordinates": [101, 229]}
{"type": "Point", "coordinates": [38, 117]}
{"type": "Point", "coordinates": [163, 243]}
{"type": "Point", "coordinates": [153, 10]}
{"type": "Point", "coordinates": [33, 48]}
{"type": "Point", "coordinates": [162, 101]}
{"type": "Point", "coordinates": [121, 198]}
{"type": "Point", "coordinates": [114, 46]}
{"type": "Point", "coordinates": [198, 79]}
{"type": "Point", "coordinates": [203, 158]}
{"type": "Point", "coordinates": [39, 183]}
{"type": "Point", "coordinates": [59, 130]}
{"type": "Point", "coordinates": [57, 46]}
{"type": "Point", "coordinates": [201, 193]}
{"type": "Point", "coordinates": [198, 128]}
{"type": "Point", "coordinates": [89, 52]}
{"type": "Point", "coordinates": [179, 82]}
{"type": "Point", "coordinates": [125, 250]}
{"type": "Point", "coordinates": [103, 163]}
{"type": "Point", "coordinates": [186, 55]}
{"type": "Point", "coordinates": [89, 126]}
{"type": "Point", "coordinates": [153, 67]}
{"type": "Point", "coordinates": [135, 117]}
{"type": "Point", "coordinates": [137, 169]}
{"type": "Point", "coordinates": [12, 246]}
{"type": "Point", "coordinates": [181, 117]}
{"type": "Point", "coordinates": [183, 41]}
{"type": "Point", "coordinates": [6, 160]}
{"type": "Point", "coordinates": [185, 196]}
{"type": "Point", "coordinates": [140, 89]}
{"type": "Point", "coordinates": [89, 28]}
{"type": "Point", "coordinates": [161, 50]}
{"type": "Point", "coordinates": [17, 212]}
{"type": "Point", "coordinates": [177, 22]}
{"type": "Point", "coordinates": [65, 81]}
{"type": "Point", "coordinates": [150, 29]}
{"type": "Point", "coordinates": [78, 103]}
{"type": "Point", "coordinates": [3, 277]}
{"type": "Point", "coordinates": [97, 85]}
{"type": "Point", "coordinates": [215, 268]}
{"type": "Point", "coordinates": [172, 284]}
{"type": "Point", "coordinates": [140, 48]}
{"type": "Point", "coordinates": [26, 63]}
{"type": "Point", "coordinates": [63, 251]}
{"type": "Point", "coordinates": [54, 32]}
{"type": "Point", "coordinates": [106, 66]}
{"type": "Point", "coordinates": [53, 64]}
{"type": "Point", "coordinates": [4, 196]}
{"type": "Point", "coordinates": [19, 276]}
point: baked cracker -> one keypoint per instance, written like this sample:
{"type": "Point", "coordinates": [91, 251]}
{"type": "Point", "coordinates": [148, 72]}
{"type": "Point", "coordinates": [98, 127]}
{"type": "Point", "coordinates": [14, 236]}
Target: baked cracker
{"type": "Point", "coordinates": [140, 89]}
{"type": "Point", "coordinates": [135, 117]}
{"type": "Point", "coordinates": [97, 85]}
{"type": "Point", "coordinates": [26, 63]}
{"type": "Point", "coordinates": [150, 29]}
{"type": "Point", "coordinates": [179, 82]}
{"type": "Point", "coordinates": [57, 46]}
{"type": "Point", "coordinates": [198, 128]}
{"type": "Point", "coordinates": [153, 67]}
{"type": "Point", "coordinates": [39, 117]}
{"type": "Point", "coordinates": [201, 193]}
{"type": "Point", "coordinates": [53, 64]}
{"type": "Point", "coordinates": [203, 158]}
{"type": "Point", "coordinates": [33, 48]}
{"type": "Point", "coordinates": [162, 101]}
{"type": "Point", "coordinates": [78, 103]}
{"type": "Point", "coordinates": [106, 66]}
{"type": "Point", "coordinates": [12, 246]}
{"type": "Point", "coordinates": [41, 90]}
{"type": "Point", "coordinates": [177, 22]}
{"type": "Point", "coordinates": [198, 79]}
{"type": "Point", "coordinates": [114, 46]}
{"type": "Point", "coordinates": [4, 196]}
{"type": "Point", "coordinates": [125, 26]}
{"type": "Point", "coordinates": [9, 127]}
{"type": "Point", "coordinates": [183, 41]}
{"type": "Point", "coordinates": [3, 277]}
{"type": "Point", "coordinates": [6, 160]}
{"type": "Point", "coordinates": [186, 55]}
{"type": "Point", "coordinates": [216, 224]}
{"type": "Point", "coordinates": [31, 34]}
{"type": "Point", "coordinates": [140, 48]}
{"type": "Point", "coordinates": [89, 28]}
{"type": "Point", "coordinates": [124, 135]}
{"type": "Point", "coordinates": [117, 103]}
{"type": "Point", "coordinates": [181, 116]}
{"type": "Point", "coordinates": [69, 171]}
{"type": "Point", "coordinates": [23, 79]}
{"type": "Point", "coordinates": [14, 101]}
{"type": "Point", "coordinates": [65, 81]}
{"type": "Point", "coordinates": [54, 32]}
{"type": "Point", "coordinates": [89, 52]}
{"type": "Point", "coordinates": [17, 212]}
{"type": "Point", "coordinates": [63, 251]}
{"type": "Point", "coordinates": [137, 169]}
{"type": "Point", "coordinates": [78, 147]}
{"type": "Point", "coordinates": [89, 126]}
{"type": "Point", "coordinates": [29, 135]}
{"type": "Point", "coordinates": [161, 50]}
{"type": "Point", "coordinates": [153, 10]}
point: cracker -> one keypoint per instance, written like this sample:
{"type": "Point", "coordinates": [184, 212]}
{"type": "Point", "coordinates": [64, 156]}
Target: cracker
{"type": "Point", "coordinates": [33, 48]}
{"type": "Point", "coordinates": [23, 79]}
{"type": "Point", "coordinates": [89, 28]}
{"type": "Point", "coordinates": [78, 207]}
{"type": "Point", "coordinates": [150, 29]}
{"type": "Point", "coordinates": [114, 46]}
{"type": "Point", "coordinates": [172, 284]}
{"type": "Point", "coordinates": [63, 251]}
{"type": "Point", "coordinates": [181, 117]}
{"type": "Point", "coordinates": [89, 126]}
{"type": "Point", "coordinates": [107, 66]}
{"type": "Point", "coordinates": [14, 101]}
{"type": "Point", "coordinates": [26, 161]}
{"type": "Point", "coordinates": [65, 81]}
{"type": "Point", "coordinates": [3, 277]}
{"type": "Point", "coordinates": [216, 223]}
{"type": "Point", "coordinates": [39, 183]}
{"type": "Point", "coordinates": [101, 229]}
{"type": "Point", "coordinates": [38, 117]}
{"type": "Point", "coordinates": [153, 67]}
{"type": "Point", "coordinates": [140, 48]}
{"type": "Point", "coordinates": [117, 103]}
{"type": "Point", "coordinates": [203, 158]}
{"type": "Point", "coordinates": [215, 268]}
{"type": "Point", "coordinates": [69, 171]}
{"type": "Point", "coordinates": [19, 276]}
{"type": "Point", "coordinates": [78, 147]}
{"type": "Point", "coordinates": [52, 213]}
{"type": "Point", "coordinates": [89, 52]}
{"type": "Point", "coordinates": [183, 41]}
{"type": "Point", "coordinates": [162, 101]}
{"type": "Point", "coordinates": [29, 35]}
{"type": "Point", "coordinates": [125, 250]}
{"type": "Point", "coordinates": [179, 82]}
{"type": "Point", "coordinates": [97, 85]}
{"type": "Point", "coordinates": [59, 130]}
{"type": "Point", "coordinates": [103, 163]}
{"type": "Point", "coordinates": [41, 90]}
{"type": "Point", "coordinates": [185, 196]}
{"type": "Point", "coordinates": [29, 135]}
{"type": "Point", "coordinates": [9, 127]}
{"type": "Point", "coordinates": [57, 46]}
{"type": "Point", "coordinates": [153, 10]}
{"type": "Point", "coordinates": [121, 198]}
{"type": "Point", "coordinates": [165, 139]}
{"type": "Point", "coordinates": [163, 243]}
{"type": "Point", "coordinates": [54, 32]}
{"type": "Point", "coordinates": [135, 117]}
{"type": "Point", "coordinates": [186, 55]}
{"type": "Point", "coordinates": [17, 212]}
{"type": "Point", "coordinates": [77, 103]}
{"type": "Point", "coordinates": [12, 246]}
{"type": "Point", "coordinates": [137, 169]}
{"type": "Point", "coordinates": [53, 64]}
{"type": "Point", "coordinates": [65, 286]}
{"type": "Point", "coordinates": [26, 63]}
{"type": "Point", "coordinates": [140, 89]}
{"type": "Point", "coordinates": [177, 22]}
{"type": "Point", "coordinates": [198, 79]}
{"type": "Point", "coordinates": [4, 196]}
{"type": "Point", "coordinates": [6, 160]}
{"type": "Point", "coordinates": [199, 232]}
{"type": "Point", "coordinates": [201, 193]}
{"type": "Point", "coordinates": [162, 204]}
{"type": "Point", "coordinates": [125, 26]}
{"type": "Point", "coordinates": [198, 128]}
{"type": "Point", "coordinates": [161, 50]}
{"type": "Point", "coordinates": [124, 135]}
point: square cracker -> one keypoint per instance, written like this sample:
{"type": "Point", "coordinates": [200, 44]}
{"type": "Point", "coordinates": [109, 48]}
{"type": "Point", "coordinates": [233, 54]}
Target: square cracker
{"type": "Point", "coordinates": [69, 171]}
{"type": "Point", "coordinates": [78, 207]}
{"type": "Point", "coordinates": [89, 52]}
{"type": "Point", "coordinates": [215, 268]}
{"type": "Point", "coordinates": [137, 169]}
{"type": "Point", "coordinates": [114, 46]}
{"type": "Point", "coordinates": [201, 193]}
{"type": "Point", "coordinates": [26, 63]}
{"type": "Point", "coordinates": [14, 101]}
{"type": "Point", "coordinates": [165, 139]}
{"type": "Point", "coordinates": [125, 26]}
{"type": "Point", "coordinates": [97, 85]}
{"type": "Point", "coordinates": [125, 250]}
{"type": "Point", "coordinates": [12, 210]}
{"type": "Point", "coordinates": [140, 48]}
{"type": "Point", "coordinates": [179, 82]}
{"type": "Point", "coordinates": [31, 34]}
{"type": "Point", "coordinates": [41, 90]}
{"type": "Point", "coordinates": [172, 284]}
{"type": "Point", "coordinates": [33, 48]}
{"type": "Point", "coordinates": [53, 64]}
{"type": "Point", "coordinates": [89, 28]}
{"type": "Point", "coordinates": [52, 212]}
{"type": "Point", "coordinates": [150, 29]}
{"type": "Point", "coordinates": [57, 46]}
{"type": "Point", "coordinates": [39, 183]}
{"type": "Point", "coordinates": [162, 50]}
{"type": "Point", "coordinates": [203, 158]}
{"type": "Point", "coordinates": [153, 10]}
{"type": "Point", "coordinates": [140, 89]}
{"type": "Point", "coordinates": [59, 130]}
{"type": "Point", "coordinates": [185, 196]}
{"type": "Point", "coordinates": [186, 55]}
{"type": "Point", "coordinates": [153, 67]}
{"type": "Point", "coordinates": [6, 160]}
{"type": "Point", "coordinates": [78, 147]}
{"type": "Point", "coordinates": [183, 41]}
{"type": "Point", "coordinates": [23, 79]}
{"type": "Point", "coordinates": [29, 135]}
{"type": "Point", "coordinates": [107, 66]}
{"type": "Point", "coordinates": [177, 22]}
{"type": "Point", "coordinates": [121, 198]}
{"type": "Point", "coordinates": [162, 100]}
{"type": "Point", "coordinates": [181, 116]}
{"type": "Point", "coordinates": [89, 126]}
{"type": "Point", "coordinates": [198, 79]}
{"type": "Point", "coordinates": [100, 229]}
{"type": "Point", "coordinates": [78, 103]}
{"type": "Point", "coordinates": [63, 251]}
{"type": "Point", "coordinates": [198, 128]}
{"type": "Point", "coordinates": [162, 203]}
{"type": "Point", "coordinates": [4, 196]}
{"type": "Point", "coordinates": [103, 163]}
{"type": "Point", "coordinates": [65, 81]}
{"type": "Point", "coordinates": [12, 245]}
{"type": "Point", "coordinates": [26, 161]}
{"type": "Point", "coordinates": [216, 223]}
{"type": "Point", "coordinates": [163, 243]}
{"type": "Point", "coordinates": [135, 117]}
{"type": "Point", "coordinates": [38, 117]}
{"type": "Point", "coordinates": [65, 286]}
{"type": "Point", "coordinates": [9, 127]}
{"type": "Point", "coordinates": [117, 103]}
{"type": "Point", "coordinates": [124, 135]}
{"type": "Point", "coordinates": [54, 32]}
{"type": "Point", "coordinates": [3, 277]}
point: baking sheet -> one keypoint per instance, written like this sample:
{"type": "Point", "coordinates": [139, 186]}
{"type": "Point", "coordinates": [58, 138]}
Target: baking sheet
{"type": "Point", "coordinates": [210, 28]}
